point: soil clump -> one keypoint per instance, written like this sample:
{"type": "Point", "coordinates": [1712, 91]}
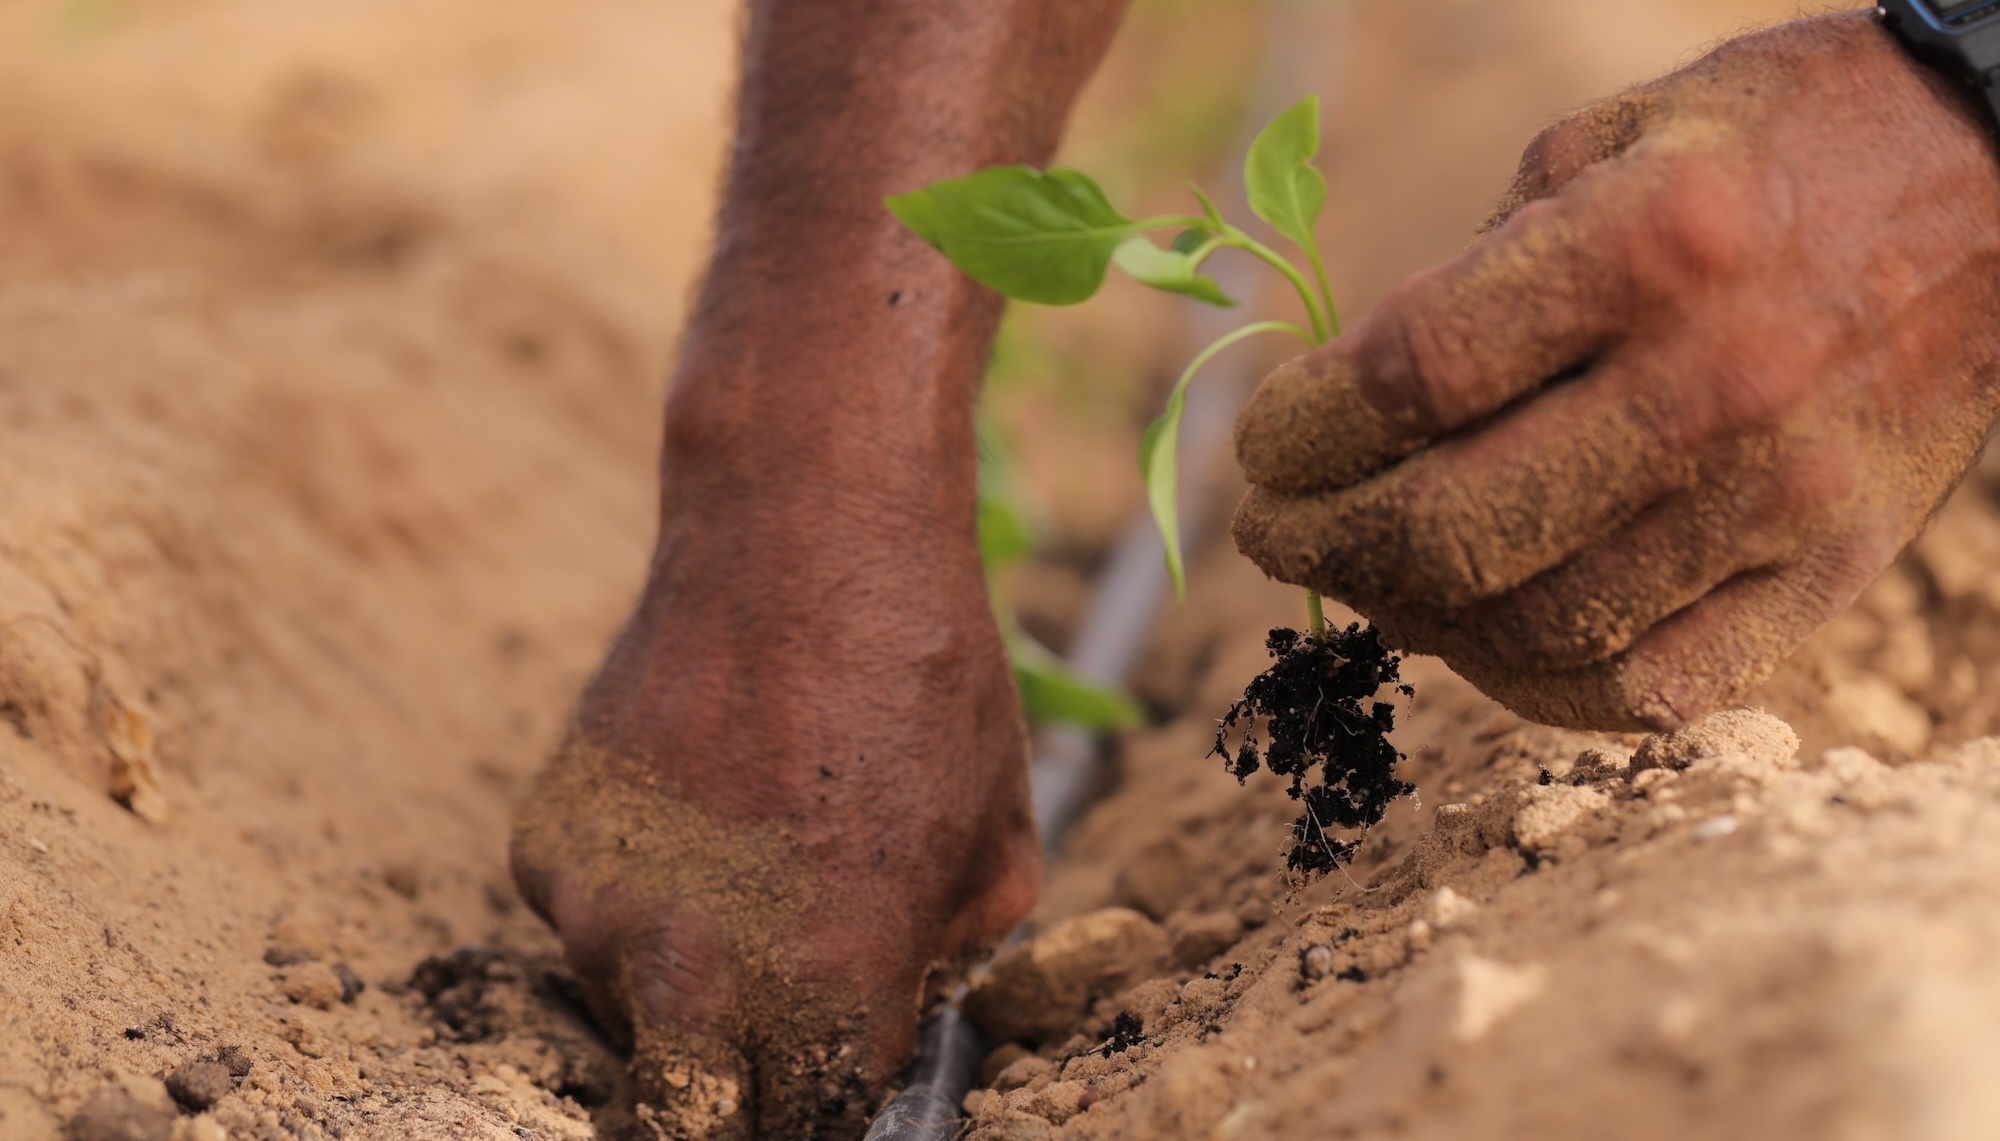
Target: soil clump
{"type": "Point", "coordinates": [1318, 707]}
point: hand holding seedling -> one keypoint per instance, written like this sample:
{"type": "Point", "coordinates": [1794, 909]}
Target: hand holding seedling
{"type": "Point", "coordinates": [1736, 341]}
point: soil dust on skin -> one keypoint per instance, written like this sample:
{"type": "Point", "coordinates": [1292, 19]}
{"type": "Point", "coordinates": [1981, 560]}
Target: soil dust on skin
{"type": "Point", "coordinates": [327, 377]}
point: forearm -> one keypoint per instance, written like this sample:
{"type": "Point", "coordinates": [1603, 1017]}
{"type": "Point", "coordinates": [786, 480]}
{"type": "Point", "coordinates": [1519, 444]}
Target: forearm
{"type": "Point", "coordinates": [823, 325]}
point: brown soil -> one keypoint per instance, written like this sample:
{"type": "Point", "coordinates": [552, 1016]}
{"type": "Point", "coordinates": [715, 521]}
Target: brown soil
{"type": "Point", "coordinates": [329, 342]}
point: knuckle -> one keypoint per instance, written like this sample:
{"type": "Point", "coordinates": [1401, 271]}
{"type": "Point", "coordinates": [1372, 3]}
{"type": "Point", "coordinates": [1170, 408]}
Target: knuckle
{"type": "Point", "coordinates": [1438, 378]}
{"type": "Point", "coordinates": [1696, 230]}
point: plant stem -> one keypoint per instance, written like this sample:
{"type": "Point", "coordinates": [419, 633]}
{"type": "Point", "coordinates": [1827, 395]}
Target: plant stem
{"type": "Point", "coordinates": [1315, 614]}
{"type": "Point", "coordinates": [1284, 265]}
{"type": "Point", "coordinates": [1325, 291]}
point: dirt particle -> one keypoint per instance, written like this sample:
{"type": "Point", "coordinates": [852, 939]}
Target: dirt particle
{"type": "Point", "coordinates": [198, 1085]}
{"type": "Point", "coordinates": [1200, 936]}
{"type": "Point", "coordinates": [403, 879]}
{"type": "Point", "coordinates": [1752, 733]}
{"type": "Point", "coordinates": [1038, 989]}
{"type": "Point", "coordinates": [351, 984]}
{"type": "Point", "coordinates": [235, 1059]}
{"type": "Point", "coordinates": [287, 956]}
{"type": "Point", "coordinates": [1550, 813]}
{"type": "Point", "coordinates": [1022, 1072]}
{"type": "Point", "coordinates": [135, 775]}
{"type": "Point", "coordinates": [1127, 1031]}
{"type": "Point", "coordinates": [16, 719]}
{"type": "Point", "coordinates": [313, 984]}
{"type": "Point", "coordinates": [299, 936]}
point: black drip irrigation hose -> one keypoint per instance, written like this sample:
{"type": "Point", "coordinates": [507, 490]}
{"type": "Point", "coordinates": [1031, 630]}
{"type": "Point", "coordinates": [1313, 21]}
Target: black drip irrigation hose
{"type": "Point", "coordinates": [948, 1054]}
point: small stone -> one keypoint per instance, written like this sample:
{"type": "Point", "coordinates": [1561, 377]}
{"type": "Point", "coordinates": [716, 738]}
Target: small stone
{"type": "Point", "coordinates": [1043, 988]}
{"type": "Point", "coordinates": [1315, 962]}
{"type": "Point", "coordinates": [198, 1085]}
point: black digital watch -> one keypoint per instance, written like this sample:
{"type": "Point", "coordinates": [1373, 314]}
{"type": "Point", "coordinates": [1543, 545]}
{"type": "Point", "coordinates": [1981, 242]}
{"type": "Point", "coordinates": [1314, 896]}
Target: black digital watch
{"type": "Point", "coordinates": [1961, 37]}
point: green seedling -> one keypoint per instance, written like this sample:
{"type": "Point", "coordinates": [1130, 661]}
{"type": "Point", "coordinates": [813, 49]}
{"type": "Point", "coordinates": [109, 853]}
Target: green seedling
{"type": "Point", "coordinates": [1052, 237]}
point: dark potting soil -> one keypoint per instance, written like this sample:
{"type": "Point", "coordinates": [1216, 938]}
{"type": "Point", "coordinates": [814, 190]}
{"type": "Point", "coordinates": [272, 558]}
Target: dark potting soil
{"type": "Point", "coordinates": [1320, 713]}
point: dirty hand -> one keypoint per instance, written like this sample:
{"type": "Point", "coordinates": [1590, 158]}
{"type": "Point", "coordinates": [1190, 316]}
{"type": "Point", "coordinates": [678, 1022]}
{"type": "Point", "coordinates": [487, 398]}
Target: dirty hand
{"type": "Point", "coordinates": [1735, 340]}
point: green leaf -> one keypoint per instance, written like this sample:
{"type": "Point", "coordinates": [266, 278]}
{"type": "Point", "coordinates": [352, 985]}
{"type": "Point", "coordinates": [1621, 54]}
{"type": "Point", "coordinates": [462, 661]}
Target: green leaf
{"type": "Point", "coordinates": [1170, 270]}
{"type": "Point", "coordinates": [1052, 693]}
{"type": "Point", "coordinates": [1159, 461]}
{"type": "Point", "coordinates": [1042, 236]}
{"type": "Point", "coordinates": [919, 212]}
{"type": "Point", "coordinates": [1284, 188]}
{"type": "Point", "coordinates": [1188, 241]}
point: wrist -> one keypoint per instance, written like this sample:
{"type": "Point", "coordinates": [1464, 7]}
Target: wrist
{"type": "Point", "coordinates": [1957, 40]}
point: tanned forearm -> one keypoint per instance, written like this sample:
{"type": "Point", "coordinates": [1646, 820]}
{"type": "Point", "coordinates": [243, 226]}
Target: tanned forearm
{"type": "Point", "coordinates": [825, 332]}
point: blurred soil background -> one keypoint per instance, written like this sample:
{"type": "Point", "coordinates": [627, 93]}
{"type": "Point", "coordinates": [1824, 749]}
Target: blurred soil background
{"type": "Point", "coordinates": [331, 339]}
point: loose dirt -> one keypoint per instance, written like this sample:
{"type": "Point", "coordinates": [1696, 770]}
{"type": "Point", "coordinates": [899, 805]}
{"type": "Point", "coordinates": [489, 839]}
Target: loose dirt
{"type": "Point", "coordinates": [330, 340]}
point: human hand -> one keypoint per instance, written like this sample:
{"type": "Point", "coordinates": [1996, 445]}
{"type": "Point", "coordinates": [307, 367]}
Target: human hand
{"type": "Point", "coordinates": [1735, 338]}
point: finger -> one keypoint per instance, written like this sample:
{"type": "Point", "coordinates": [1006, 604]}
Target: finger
{"type": "Point", "coordinates": [1749, 511]}
{"type": "Point", "coordinates": [1596, 134]}
{"type": "Point", "coordinates": [1706, 656]}
{"type": "Point", "coordinates": [1631, 245]}
{"type": "Point", "coordinates": [1546, 292]}
{"type": "Point", "coordinates": [1476, 516]}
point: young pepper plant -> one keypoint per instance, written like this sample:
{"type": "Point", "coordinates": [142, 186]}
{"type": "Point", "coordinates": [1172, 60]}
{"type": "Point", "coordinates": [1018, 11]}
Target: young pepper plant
{"type": "Point", "coordinates": [1052, 236]}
